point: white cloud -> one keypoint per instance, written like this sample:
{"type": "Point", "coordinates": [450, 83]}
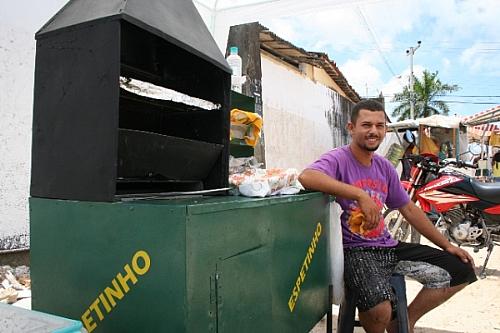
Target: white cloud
{"type": "Point", "coordinates": [332, 29]}
{"type": "Point", "coordinates": [391, 18]}
{"type": "Point", "coordinates": [356, 27]}
{"type": "Point", "coordinates": [469, 56]}
{"type": "Point", "coordinates": [353, 27]}
{"type": "Point", "coordinates": [397, 84]}
{"type": "Point", "coordinates": [477, 58]}
{"type": "Point", "coordinates": [446, 63]}
{"type": "Point", "coordinates": [363, 76]}
{"type": "Point", "coordinates": [284, 28]}
{"type": "Point", "coordinates": [464, 19]}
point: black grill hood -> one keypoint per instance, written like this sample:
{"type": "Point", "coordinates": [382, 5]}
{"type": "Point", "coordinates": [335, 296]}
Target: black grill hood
{"type": "Point", "coordinates": [177, 21]}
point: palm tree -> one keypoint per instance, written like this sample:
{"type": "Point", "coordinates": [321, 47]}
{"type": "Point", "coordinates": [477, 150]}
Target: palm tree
{"type": "Point", "coordinates": [427, 90]}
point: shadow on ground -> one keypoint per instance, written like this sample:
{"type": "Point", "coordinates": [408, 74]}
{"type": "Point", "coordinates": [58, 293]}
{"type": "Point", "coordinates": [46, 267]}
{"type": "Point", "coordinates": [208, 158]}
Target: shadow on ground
{"type": "Point", "coordinates": [15, 258]}
{"type": "Point", "coordinates": [433, 330]}
{"type": "Point", "coordinates": [490, 272]}
{"type": "Point", "coordinates": [321, 328]}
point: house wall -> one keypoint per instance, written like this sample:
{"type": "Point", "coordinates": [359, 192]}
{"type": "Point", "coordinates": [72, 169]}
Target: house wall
{"type": "Point", "coordinates": [319, 75]}
{"type": "Point", "coordinates": [17, 50]}
{"type": "Point", "coordinates": [17, 66]}
{"type": "Point", "coordinates": [302, 118]}
{"type": "Point", "coordinates": [322, 77]}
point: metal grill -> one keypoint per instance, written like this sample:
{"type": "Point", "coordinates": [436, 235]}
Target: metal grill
{"type": "Point", "coordinates": [93, 140]}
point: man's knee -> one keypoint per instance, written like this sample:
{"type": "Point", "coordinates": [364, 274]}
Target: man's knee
{"type": "Point", "coordinates": [450, 291]}
{"type": "Point", "coordinates": [379, 314]}
{"type": "Point", "coordinates": [438, 296]}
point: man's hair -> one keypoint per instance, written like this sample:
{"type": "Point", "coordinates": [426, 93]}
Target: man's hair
{"type": "Point", "coordinates": [366, 104]}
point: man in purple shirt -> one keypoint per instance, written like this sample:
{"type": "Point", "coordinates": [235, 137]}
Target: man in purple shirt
{"type": "Point", "coordinates": [363, 182]}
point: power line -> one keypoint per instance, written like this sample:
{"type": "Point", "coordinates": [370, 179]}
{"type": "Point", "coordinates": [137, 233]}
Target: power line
{"type": "Point", "coordinates": [452, 102]}
{"type": "Point", "coordinates": [469, 96]}
{"type": "Point", "coordinates": [463, 102]}
{"type": "Point", "coordinates": [394, 47]}
{"type": "Point", "coordinates": [451, 41]}
{"type": "Point", "coordinates": [472, 47]}
{"type": "Point", "coordinates": [461, 96]}
{"type": "Point", "coordinates": [444, 101]}
{"type": "Point", "coordinates": [375, 39]}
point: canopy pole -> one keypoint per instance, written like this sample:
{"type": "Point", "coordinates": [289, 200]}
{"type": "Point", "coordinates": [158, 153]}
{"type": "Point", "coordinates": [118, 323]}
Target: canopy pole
{"type": "Point", "coordinates": [213, 18]}
{"type": "Point", "coordinates": [455, 136]}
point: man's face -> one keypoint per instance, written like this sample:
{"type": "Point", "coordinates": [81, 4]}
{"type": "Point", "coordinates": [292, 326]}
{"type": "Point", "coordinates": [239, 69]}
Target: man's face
{"type": "Point", "coordinates": [369, 130]}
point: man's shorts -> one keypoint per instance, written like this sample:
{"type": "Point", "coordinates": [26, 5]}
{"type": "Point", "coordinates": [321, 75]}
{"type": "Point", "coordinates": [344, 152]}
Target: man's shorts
{"type": "Point", "coordinates": [368, 270]}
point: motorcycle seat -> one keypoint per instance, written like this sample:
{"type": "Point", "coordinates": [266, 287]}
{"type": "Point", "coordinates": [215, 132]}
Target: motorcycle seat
{"type": "Point", "coordinates": [486, 191]}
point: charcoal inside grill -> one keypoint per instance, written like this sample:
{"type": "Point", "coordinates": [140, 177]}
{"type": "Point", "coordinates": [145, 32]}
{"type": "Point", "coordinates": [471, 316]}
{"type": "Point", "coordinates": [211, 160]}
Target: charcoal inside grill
{"type": "Point", "coordinates": [146, 156]}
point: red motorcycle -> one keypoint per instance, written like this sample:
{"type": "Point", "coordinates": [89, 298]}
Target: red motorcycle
{"type": "Point", "coordinates": [464, 209]}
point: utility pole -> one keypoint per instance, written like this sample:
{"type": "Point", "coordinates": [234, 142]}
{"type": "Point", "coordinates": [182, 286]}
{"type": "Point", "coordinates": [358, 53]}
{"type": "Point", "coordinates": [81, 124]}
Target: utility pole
{"type": "Point", "coordinates": [411, 52]}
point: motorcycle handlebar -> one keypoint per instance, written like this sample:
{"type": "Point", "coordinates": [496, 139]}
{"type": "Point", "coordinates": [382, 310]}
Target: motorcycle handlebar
{"type": "Point", "coordinates": [460, 164]}
{"type": "Point", "coordinates": [414, 158]}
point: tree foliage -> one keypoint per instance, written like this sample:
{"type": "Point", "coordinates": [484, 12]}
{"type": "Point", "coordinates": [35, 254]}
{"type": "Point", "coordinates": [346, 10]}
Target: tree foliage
{"type": "Point", "coordinates": [428, 93]}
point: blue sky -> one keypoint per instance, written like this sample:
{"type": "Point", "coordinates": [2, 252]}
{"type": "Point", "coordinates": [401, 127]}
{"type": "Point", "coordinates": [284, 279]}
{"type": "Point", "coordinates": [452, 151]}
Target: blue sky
{"type": "Point", "coordinates": [368, 41]}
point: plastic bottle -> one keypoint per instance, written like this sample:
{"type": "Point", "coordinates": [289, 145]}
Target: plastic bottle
{"type": "Point", "coordinates": [234, 61]}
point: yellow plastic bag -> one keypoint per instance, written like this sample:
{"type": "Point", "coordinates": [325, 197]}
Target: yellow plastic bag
{"type": "Point", "coordinates": [246, 125]}
{"type": "Point", "coordinates": [427, 145]}
{"type": "Point", "coordinates": [495, 139]}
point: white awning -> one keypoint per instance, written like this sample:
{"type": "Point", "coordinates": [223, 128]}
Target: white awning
{"type": "Point", "coordinates": [433, 121]}
{"type": "Point", "coordinates": [483, 117]}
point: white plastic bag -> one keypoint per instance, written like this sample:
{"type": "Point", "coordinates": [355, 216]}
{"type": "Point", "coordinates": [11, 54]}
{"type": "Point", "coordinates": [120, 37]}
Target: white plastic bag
{"type": "Point", "coordinates": [255, 182]}
{"type": "Point", "coordinates": [336, 253]}
{"type": "Point", "coordinates": [255, 188]}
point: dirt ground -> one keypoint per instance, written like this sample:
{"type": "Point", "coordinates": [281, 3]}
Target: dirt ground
{"type": "Point", "coordinates": [476, 309]}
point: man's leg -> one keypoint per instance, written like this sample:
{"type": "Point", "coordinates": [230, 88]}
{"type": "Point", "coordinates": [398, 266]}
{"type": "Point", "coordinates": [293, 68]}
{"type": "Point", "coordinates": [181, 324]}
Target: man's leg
{"type": "Point", "coordinates": [435, 270]}
{"type": "Point", "coordinates": [376, 319]}
{"type": "Point", "coordinates": [368, 272]}
{"type": "Point", "coordinates": [427, 299]}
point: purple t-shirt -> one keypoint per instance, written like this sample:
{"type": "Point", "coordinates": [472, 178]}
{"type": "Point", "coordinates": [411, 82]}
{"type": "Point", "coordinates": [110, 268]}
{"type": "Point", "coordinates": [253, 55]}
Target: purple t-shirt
{"type": "Point", "coordinates": [380, 180]}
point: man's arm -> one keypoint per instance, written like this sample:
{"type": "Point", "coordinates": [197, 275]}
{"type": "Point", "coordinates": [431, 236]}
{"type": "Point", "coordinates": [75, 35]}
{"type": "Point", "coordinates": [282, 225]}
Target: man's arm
{"type": "Point", "coordinates": [318, 181]}
{"type": "Point", "coordinates": [417, 218]}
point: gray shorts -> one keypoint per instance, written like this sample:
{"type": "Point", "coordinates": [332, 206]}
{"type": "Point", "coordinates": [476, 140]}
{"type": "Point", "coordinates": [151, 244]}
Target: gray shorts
{"type": "Point", "coordinates": [368, 270]}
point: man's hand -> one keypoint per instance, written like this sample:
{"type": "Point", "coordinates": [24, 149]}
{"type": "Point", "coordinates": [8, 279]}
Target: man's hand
{"type": "Point", "coordinates": [318, 181]}
{"type": "Point", "coordinates": [370, 210]}
{"type": "Point", "coordinates": [461, 253]}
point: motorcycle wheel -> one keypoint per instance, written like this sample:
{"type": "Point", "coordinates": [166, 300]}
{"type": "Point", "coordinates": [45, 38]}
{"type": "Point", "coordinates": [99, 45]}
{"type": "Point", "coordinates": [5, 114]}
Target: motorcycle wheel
{"type": "Point", "coordinates": [399, 228]}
